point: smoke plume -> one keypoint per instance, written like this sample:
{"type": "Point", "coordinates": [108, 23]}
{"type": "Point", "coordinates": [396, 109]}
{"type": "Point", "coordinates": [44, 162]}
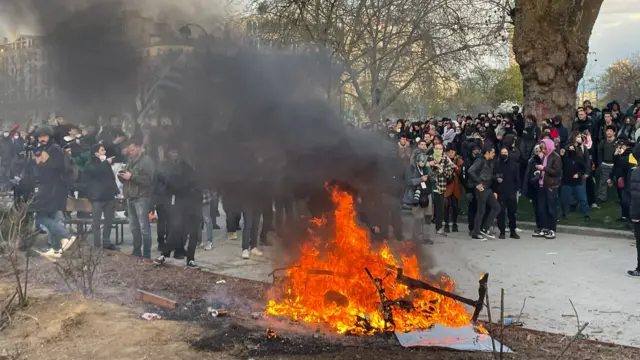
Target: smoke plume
{"type": "Point", "coordinates": [257, 122]}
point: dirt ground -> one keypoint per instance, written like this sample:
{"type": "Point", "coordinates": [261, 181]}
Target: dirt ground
{"type": "Point", "coordinates": [59, 324]}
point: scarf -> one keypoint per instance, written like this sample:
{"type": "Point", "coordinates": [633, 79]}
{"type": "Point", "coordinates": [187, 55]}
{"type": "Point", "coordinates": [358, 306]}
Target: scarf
{"type": "Point", "coordinates": [551, 146]}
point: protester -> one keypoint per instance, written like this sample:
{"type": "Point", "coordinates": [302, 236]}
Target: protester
{"type": "Point", "coordinates": [137, 177]}
{"type": "Point", "coordinates": [441, 172]}
{"type": "Point", "coordinates": [185, 208]}
{"type": "Point", "coordinates": [481, 176]}
{"type": "Point", "coordinates": [634, 210]}
{"type": "Point", "coordinates": [506, 187]}
{"type": "Point", "coordinates": [606, 152]}
{"type": "Point", "coordinates": [550, 181]}
{"type": "Point", "coordinates": [102, 189]}
{"type": "Point", "coordinates": [620, 176]}
{"type": "Point", "coordinates": [416, 194]}
{"type": "Point", "coordinates": [453, 193]}
{"type": "Point", "coordinates": [51, 191]}
{"type": "Point", "coordinates": [207, 218]}
{"type": "Point", "coordinates": [574, 167]}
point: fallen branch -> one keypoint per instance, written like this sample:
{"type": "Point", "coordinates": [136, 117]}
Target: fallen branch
{"type": "Point", "coordinates": [501, 323]}
{"type": "Point", "coordinates": [577, 335]}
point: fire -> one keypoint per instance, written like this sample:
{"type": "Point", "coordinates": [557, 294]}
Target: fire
{"type": "Point", "coordinates": [328, 284]}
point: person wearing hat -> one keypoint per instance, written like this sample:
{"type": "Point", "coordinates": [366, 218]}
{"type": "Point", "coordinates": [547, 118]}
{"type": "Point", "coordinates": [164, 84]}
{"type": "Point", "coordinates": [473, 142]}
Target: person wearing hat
{"type": "Point", "coordinates": [51, 191]}
{"type": "Point", "coordinates": [418, 189]}
{"type": "Point", "coordinates": [102, 190]}
{"type": "Point", "coordinates": [563, 132]}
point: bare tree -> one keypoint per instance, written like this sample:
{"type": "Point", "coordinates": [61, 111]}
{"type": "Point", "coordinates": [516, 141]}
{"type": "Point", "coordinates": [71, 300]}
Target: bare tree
{"type": "Point", "coordinates": [551, 44]}
{"type": "Point", "coordinates": [385, 46]}
{"type": "Point", "coordinates": [621, 82]}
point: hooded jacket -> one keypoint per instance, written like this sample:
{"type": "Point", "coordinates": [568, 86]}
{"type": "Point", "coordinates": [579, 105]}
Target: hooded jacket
{"type": "Point", "coordinates": [100, 180]}
{"type": "Point", "coordinates": [634, 188]}
{"type": "Point", "coordinates": [509, 172]}
{"type": "Point", "coordinates": [51, 191]}
{"type": "Point", "coordinates": [573, 164]}
{"type": "Point", "coordinates": [552, 173]}
{"type": "Point", "coordinates": [530, 136]}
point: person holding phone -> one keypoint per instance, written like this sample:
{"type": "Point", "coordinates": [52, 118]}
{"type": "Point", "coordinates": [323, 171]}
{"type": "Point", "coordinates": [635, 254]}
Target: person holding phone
{"type": "Point", "coordinates": [102, 190]}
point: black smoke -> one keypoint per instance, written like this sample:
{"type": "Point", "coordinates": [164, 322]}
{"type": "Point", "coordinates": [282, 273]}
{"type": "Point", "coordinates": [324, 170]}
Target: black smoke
{"type": "Point", "coordinates": [256, 121]}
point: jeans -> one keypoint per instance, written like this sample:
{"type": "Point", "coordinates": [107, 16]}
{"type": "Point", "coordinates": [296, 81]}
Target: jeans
{"type": "Point", "coordinates": [565, 198]}
{"type": "Point", "coordinates": [138, 210]}
{"type": "Point", "coordinates": [208, 222]}
{"type": "Point", "coordinates": [485, 198]}
{"type": "Point", "coordinates": [233, 212]}
{"type": "Point", "coordinates": [162, 210]}
{"type": "Point", "coordinates": [438, 209]}
{"type": "Point", "coordinates": [636, 233]}
{"type": "Point", "coordinates": [418, 233]}
{"type": "Point", "coordinates": [451, 210]}
{"type": "Point", "coordinates": [603, 187]}
{"type": "Point", "coordinates": [55, 227]}
{"type": "Point", "coordinates": [548, 208]}
{"type": "Point", "coordinates": [251, 214]}
{"type": "Point", "coordinates": [508, 208]}
{"type": "Point", "coordinates": [108, 209]}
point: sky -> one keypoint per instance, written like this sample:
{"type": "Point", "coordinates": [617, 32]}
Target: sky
{"type": "Point", "coordinates": [615, 35]}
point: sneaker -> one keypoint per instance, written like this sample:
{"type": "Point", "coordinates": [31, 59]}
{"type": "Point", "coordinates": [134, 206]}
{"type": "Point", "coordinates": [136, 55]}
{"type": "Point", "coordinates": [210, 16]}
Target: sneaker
{"type": "Point", "coordinates": [159, 260]}
{"type": "Point", "coordinates": [256, 252]}
{"type": "Point", "coordinates": [245, 254]}
{"type": "Point", "coordinates": [232, 235]}
{"type": "Point", "coordinates": [487, 233]}
{"type": "Point", "coordinates": [447, 229]}
{"type": "Point", "coordinates": [208, 246]}
{"type": "Point", "coordinates": [538, 233]}
{"type": "Point", "coordinates": [550, 234]}
{"type": "Point", "coordinates": [595, 206]}
{"type": "Point", "coordinates": [111, 247]}
{"type": "Point", "coordinates": [518, 230]}
{"type": "Point", "coordinates": [514, 235]}
{"type": "Point", "coordinates": [634, 273]}
{"type": "Point", "coordinates": [479, 237]}
{"type": "Point", "coordinates": [66, 243]}
{"type": "Point", "coordinates": [454, 228]}
{"type": "Point", "coordinates": [502, 236]}
{"type": "Point", "coordinates": [441, 232]}
{"type": "Point", "coordinates": [52, 253]}
{"type": "Point", "coordinates": [192, 264]}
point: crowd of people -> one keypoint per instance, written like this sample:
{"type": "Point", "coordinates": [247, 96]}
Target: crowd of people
{"type": "Point", "coordinates": [492, 159]}
{"type": "Point", "coordinates": [489, 160]}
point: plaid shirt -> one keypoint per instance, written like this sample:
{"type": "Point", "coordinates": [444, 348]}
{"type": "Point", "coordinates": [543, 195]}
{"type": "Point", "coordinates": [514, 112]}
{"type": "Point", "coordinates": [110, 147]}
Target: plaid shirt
{"type": "Point", "coordinates": [441, 175]}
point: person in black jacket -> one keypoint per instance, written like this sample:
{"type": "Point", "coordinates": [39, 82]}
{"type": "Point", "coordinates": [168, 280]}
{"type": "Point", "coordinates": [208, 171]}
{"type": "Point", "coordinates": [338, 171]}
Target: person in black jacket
{"type": "Point", "coordinates": [634, 208]}
{"type": "Point", "coordinates": [506, 186]}
{"type": "Point", "coordinates": [102, 189]}
{"type": "Point", "coordinates": [620, 176]}
{"type": "Point", "coordinates": [574, 167]}
{"type": "Point", "coordinates": [481, 176]}
{"type": "Point", "coordinates": [185, 208]}
{"type": "Point", "coordinates": [51, 192]}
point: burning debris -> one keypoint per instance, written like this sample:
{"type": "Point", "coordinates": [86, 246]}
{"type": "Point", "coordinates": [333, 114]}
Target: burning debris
{"type": "Point", "coordinates": [359, 290]}
{"type": "Point", "coordinates": [271, 334]}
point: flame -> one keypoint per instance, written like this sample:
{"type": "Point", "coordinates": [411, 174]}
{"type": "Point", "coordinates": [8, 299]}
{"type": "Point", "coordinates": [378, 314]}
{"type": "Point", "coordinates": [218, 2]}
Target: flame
{"type": "Point", "coordinates": [328, 284]}
{"type": "Point", "coordinates": [271, 334]}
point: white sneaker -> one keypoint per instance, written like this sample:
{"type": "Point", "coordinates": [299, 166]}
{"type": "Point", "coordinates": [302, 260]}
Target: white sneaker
{"type": "Point", "coordinates": [518, 230]}
{"type": "Point", "coordinates": [53, 253]}
{"type": "Point", "coordinates": [66, 243]}
{"type": "Point", "coordinates": [245, 254]}
{"type": "Point", "coordinates": [256, 252]}
{"type": "Point", "coordinates": [232, 235]}
{"type": "Point", "coordinates": [208, 246]}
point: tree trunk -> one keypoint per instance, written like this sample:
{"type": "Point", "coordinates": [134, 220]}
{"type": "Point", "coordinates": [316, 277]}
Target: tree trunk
{"type": "Point", "coordinates": [551, 44]}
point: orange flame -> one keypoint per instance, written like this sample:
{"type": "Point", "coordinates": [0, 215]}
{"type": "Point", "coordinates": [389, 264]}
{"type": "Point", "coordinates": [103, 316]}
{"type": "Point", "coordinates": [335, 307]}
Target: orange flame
{"type": "Point", "coordinates": [328, 284]}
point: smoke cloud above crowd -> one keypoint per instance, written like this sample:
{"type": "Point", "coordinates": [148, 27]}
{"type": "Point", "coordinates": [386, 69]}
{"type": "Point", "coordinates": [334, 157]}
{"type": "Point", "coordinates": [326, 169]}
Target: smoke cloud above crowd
{"type": "Point", "coordinates": [246, 116]}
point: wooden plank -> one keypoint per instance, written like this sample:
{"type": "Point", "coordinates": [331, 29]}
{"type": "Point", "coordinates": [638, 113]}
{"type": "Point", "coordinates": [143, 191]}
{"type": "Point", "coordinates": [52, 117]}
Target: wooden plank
{"type": "Point", "coordinates": [150, 298]}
